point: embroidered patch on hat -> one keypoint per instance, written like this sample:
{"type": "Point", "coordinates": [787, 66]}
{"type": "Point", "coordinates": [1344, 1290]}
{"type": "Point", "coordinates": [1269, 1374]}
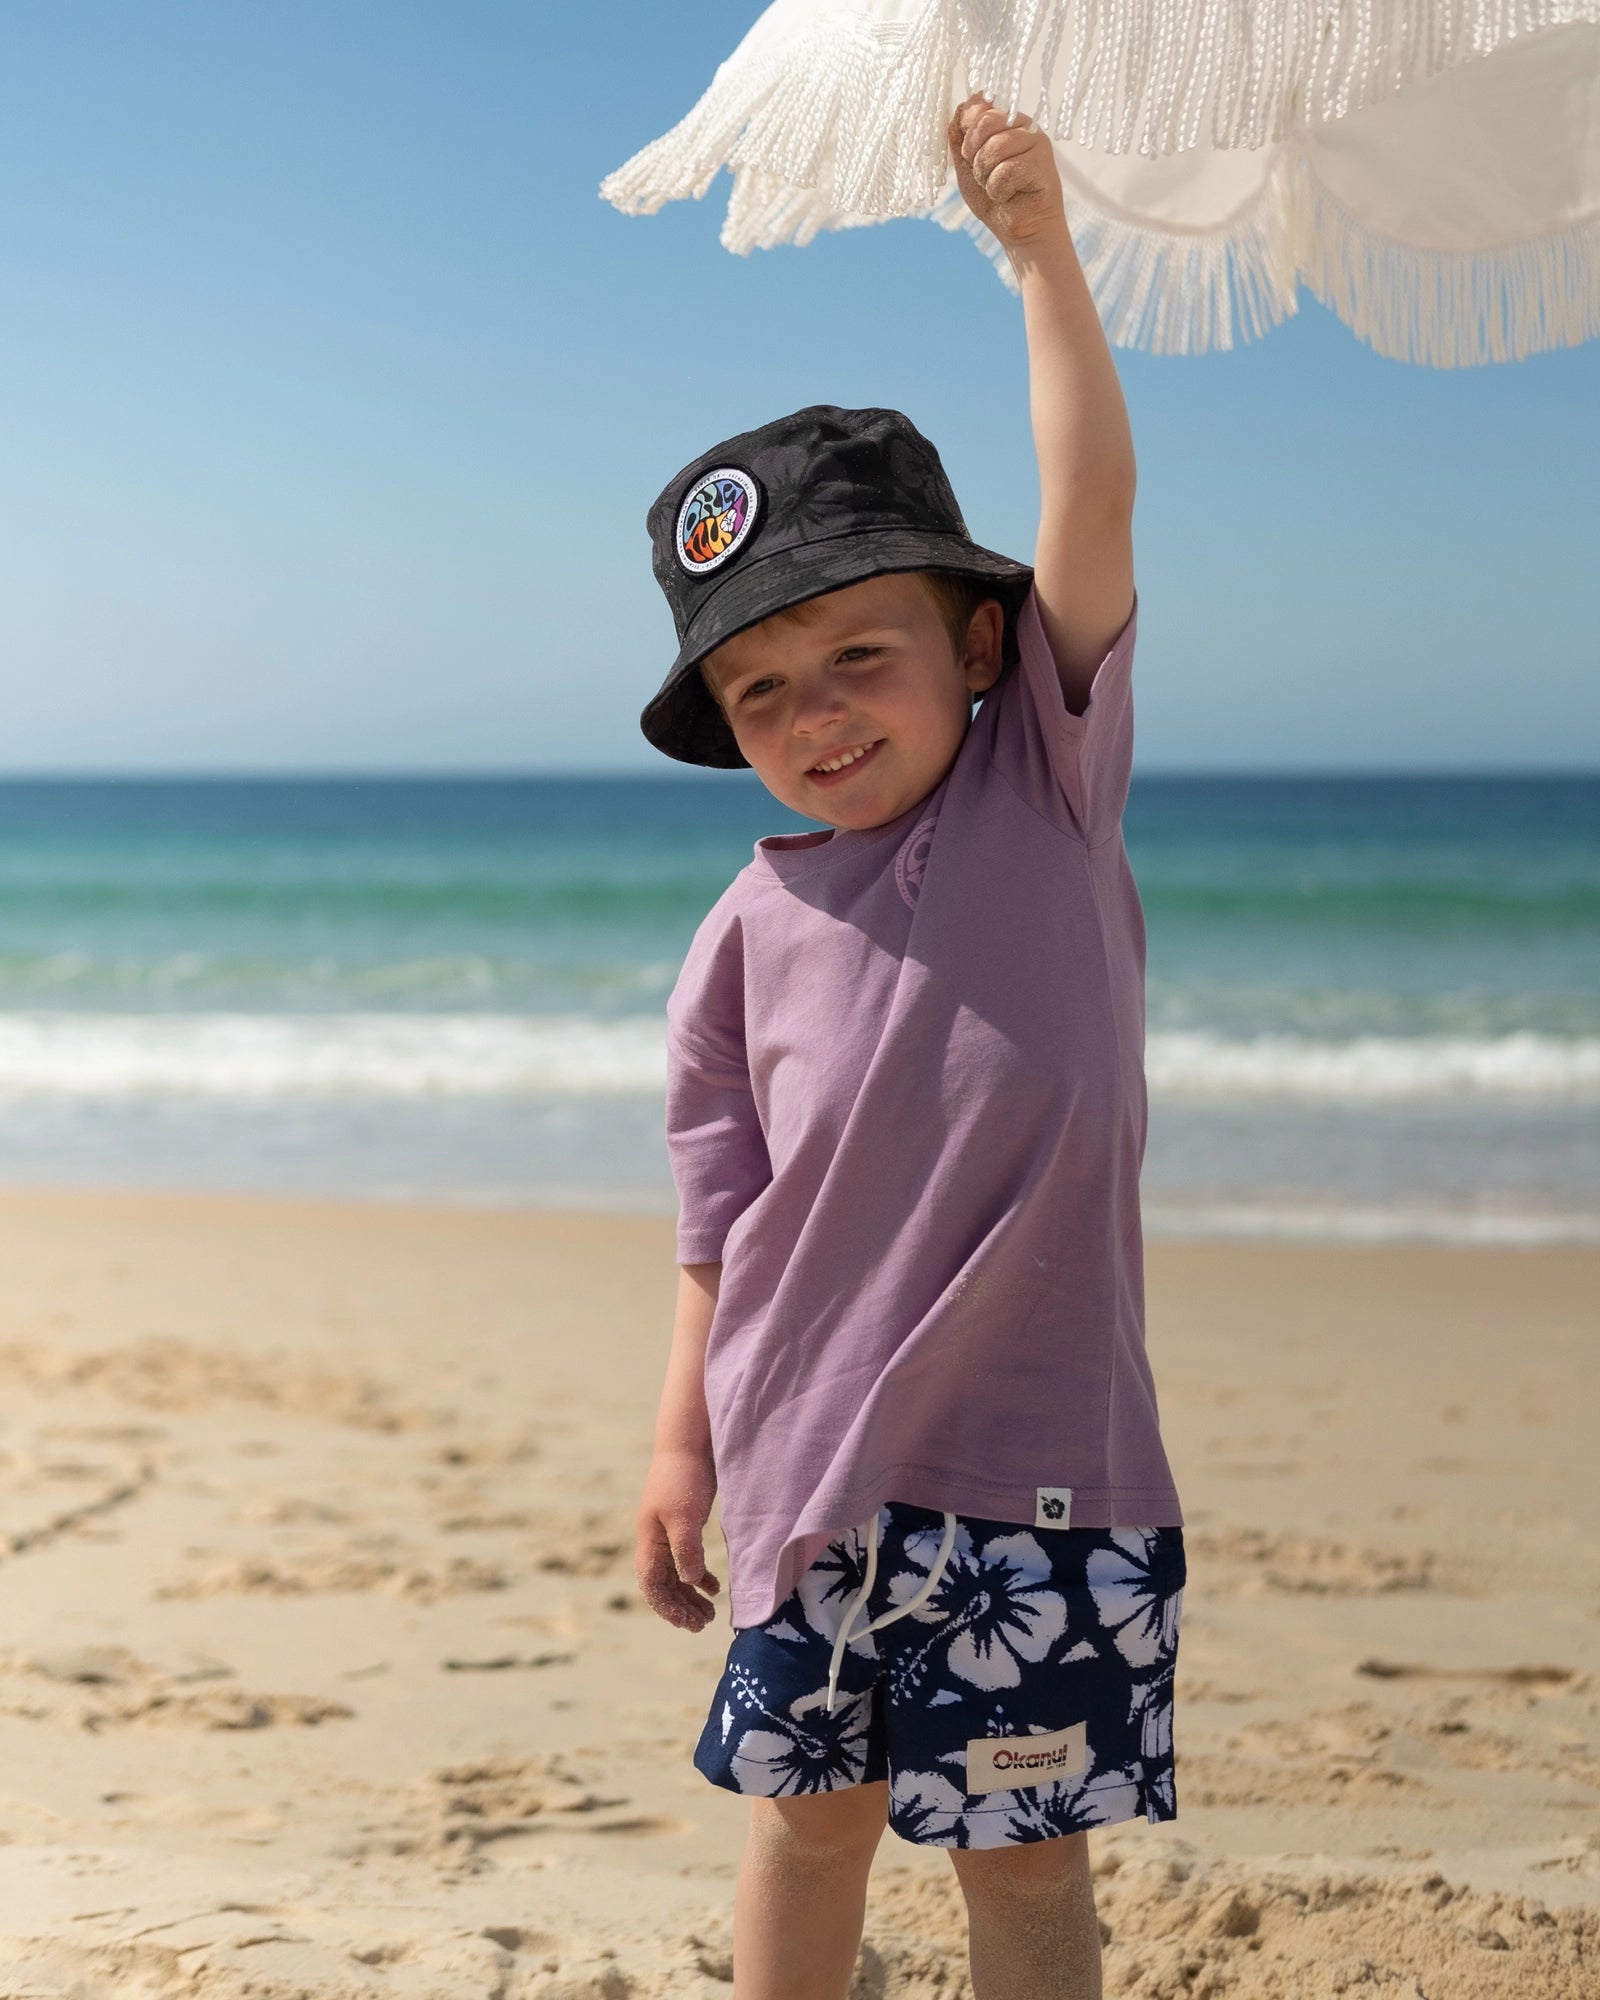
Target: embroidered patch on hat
{"type": "Point", "coordinates": [715, 519]}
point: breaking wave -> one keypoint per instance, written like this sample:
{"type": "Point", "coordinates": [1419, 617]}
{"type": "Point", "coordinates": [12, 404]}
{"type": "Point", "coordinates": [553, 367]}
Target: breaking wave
{"type": "Point", "coordinates": [257, 1057]}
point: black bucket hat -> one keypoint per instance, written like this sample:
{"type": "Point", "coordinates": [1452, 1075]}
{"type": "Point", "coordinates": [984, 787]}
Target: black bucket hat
{"type": "Point", "coordinates": [804, 505]}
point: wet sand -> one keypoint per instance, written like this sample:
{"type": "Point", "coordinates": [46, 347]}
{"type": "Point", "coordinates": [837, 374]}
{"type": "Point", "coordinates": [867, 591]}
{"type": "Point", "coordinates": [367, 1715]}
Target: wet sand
{"type": "Point", "coordinates": [322, 1671]}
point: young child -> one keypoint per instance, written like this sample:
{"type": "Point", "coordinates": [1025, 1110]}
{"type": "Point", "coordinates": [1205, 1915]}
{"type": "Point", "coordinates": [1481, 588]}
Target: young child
{"type": "Point", "coordinates": [906, 1115]}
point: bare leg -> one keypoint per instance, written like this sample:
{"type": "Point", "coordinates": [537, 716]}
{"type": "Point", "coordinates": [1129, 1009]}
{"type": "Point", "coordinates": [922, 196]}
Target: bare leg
{"type": "Point", "coordinates": [802, 1894]}
{"type": "Point", "coordinates": [1031, 1924]}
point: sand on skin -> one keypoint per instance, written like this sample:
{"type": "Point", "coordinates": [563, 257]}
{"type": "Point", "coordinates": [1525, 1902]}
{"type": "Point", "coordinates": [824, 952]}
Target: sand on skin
{"type": "Point", "coordinates": [323, 1672]}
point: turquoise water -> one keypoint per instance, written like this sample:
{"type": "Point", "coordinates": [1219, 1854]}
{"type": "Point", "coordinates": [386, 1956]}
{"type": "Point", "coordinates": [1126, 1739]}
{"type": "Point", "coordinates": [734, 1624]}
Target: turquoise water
{"type": "Point", "coordinates": [1374, 1004]}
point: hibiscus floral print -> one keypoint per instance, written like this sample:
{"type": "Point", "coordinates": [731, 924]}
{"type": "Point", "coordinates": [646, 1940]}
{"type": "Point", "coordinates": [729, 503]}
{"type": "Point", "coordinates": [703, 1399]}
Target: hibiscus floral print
{"type": "Point", "coordinates": [1130, 1590]}
{"type": "Point", "coordinates": [1028, 1632]}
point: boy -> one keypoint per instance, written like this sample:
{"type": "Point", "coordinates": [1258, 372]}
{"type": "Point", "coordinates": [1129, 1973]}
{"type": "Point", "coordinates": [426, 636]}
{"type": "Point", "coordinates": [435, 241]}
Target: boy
{"type": "Point", "coordinates": [906, 1115]}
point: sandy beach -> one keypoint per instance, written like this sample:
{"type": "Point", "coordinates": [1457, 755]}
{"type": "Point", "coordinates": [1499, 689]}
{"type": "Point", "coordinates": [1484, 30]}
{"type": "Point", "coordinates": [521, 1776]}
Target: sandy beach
{"type": "Point", "coordinates": [323, 1672]}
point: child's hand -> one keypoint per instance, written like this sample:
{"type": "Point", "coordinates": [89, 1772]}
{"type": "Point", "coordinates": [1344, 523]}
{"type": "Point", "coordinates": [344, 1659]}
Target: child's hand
{"type": "Point", "coordinates": [669, 1552]}
{"type": "Point", "coordinates": [1006, 172]}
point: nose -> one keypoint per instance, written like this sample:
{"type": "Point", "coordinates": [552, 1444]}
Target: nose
{"type": "Point", "coordinates": [817, 708]}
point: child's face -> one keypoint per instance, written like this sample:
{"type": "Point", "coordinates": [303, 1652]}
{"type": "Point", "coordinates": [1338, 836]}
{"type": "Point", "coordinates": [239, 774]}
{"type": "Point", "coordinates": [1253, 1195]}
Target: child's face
{"type": "Point", "coordinates": [870, 668]}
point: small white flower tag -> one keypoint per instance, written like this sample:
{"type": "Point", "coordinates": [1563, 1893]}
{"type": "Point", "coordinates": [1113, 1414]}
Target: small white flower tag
{"type": "Point", "coordinates": [1053, 1507]}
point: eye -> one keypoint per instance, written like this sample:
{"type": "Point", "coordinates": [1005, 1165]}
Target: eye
{"type": "Point", "coordinates": [757, 687]}
{"type": "Point", "coordinates": [852, 654]}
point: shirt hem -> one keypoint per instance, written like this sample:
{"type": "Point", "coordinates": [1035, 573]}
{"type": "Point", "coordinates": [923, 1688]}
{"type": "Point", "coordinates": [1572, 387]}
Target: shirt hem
{"type": "Point", "coordinates": [985, 1499]}
{"type": "Point", "coordinates": [1083, 1497]}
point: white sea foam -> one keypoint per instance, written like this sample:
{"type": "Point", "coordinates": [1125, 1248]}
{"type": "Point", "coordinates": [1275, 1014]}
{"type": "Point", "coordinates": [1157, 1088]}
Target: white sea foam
{"type": "Point", "coordinates": [1330, 1222]}
{"type": "Point", "coordinates": [256, 1057]}
{"type": "Point", "coordinates": [253, 1057]}
{"type": "Point", "coordinates": [1375, 1069]}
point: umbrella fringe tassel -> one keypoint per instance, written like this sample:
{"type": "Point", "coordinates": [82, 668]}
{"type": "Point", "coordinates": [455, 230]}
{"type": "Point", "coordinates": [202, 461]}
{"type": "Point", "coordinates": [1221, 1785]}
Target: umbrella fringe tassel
{"type": "Point", "coordinates": [854, 109]}
{"type": "Point", "coordinates": [1168, 292]}
{"type": "Point", "coordinates": [1451, 308]}
{"type": "Point", "coordinates": [1177, 293]}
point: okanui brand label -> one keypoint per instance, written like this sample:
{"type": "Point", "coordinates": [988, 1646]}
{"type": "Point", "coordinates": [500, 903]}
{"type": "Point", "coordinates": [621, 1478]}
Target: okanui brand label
{"type": "Point", "coordinates": [1053, 1507]}
{"type": "Point", "coordinates": [1014, 1763]}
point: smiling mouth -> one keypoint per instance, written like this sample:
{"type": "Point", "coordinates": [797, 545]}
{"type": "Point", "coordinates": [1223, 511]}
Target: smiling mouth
{"type": "Point", "coordinates": [842, 760]}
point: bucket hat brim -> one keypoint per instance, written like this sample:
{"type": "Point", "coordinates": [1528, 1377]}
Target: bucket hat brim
{"type": "Point", "coordinates": [683, 720]}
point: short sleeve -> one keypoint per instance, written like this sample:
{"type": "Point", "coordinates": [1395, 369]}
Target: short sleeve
{"type": "Point", "coordinates": [1074, 769]}
{"type": "Point", "coordinates": [715, 1140]}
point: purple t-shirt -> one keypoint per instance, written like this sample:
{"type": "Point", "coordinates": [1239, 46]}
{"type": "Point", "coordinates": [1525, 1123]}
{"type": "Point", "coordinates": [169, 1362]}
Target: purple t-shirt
{"type": "Point", "coordinates": [906, 1109]}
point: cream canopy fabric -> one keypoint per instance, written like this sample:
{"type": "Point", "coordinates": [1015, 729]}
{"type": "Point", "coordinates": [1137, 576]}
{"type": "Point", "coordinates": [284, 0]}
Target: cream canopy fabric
{"type": "Point", "coordinates": [1428, 169]}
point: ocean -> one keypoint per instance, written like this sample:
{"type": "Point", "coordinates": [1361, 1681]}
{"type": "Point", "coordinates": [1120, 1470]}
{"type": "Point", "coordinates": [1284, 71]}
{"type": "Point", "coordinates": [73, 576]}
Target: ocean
{"type": "Point", "coordinates": [1374, 1003]}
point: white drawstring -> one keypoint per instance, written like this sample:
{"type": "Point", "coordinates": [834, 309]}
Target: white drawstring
{"type": "Point", "coordinates": [900, 1611]}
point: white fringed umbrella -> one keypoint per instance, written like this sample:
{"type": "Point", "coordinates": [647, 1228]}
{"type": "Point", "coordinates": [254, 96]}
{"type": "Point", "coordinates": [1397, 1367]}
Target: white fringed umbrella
{"type": "Point", "coordinates": [1428, 169]}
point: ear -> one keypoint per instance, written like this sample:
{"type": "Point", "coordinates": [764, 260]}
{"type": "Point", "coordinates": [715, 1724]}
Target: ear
{"type": "Point", "coordinates": [982, 652]}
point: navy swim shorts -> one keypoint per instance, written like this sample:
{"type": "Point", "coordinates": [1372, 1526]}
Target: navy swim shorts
{"type": "Point", "coordinates": [1026, 1694]}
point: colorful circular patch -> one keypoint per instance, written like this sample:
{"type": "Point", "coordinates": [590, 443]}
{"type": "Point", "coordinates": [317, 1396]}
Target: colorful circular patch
{"type": "Point", "coordinates": [715, 519]}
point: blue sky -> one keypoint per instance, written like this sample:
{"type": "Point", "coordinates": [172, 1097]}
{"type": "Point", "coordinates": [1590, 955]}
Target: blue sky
{"type": "Point", "coordinates": [332, 399]}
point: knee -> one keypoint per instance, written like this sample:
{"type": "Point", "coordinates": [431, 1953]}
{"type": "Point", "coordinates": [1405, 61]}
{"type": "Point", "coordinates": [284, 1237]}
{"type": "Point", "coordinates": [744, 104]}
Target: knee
{"type": "Point", "coordinates": [1025, 1872]}
{"type": "Point", "coordinates": [822, 1831]}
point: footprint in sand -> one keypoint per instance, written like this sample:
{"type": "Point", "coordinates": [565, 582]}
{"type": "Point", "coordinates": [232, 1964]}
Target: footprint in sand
{"type": "Point", "coordinates": [104, 1687]}
{"type": "Point", "coordinates": [455, 1816]}
{"type": "Point", "coordinates": [561, 1626]}
{"type": "Point", "coordinates": [507, 1662]}
{"type": "Point", "coordinates": [363, 1563]}
{"type": "Point", "coordinates": [1257, 1559]}
{"type": "Point", "coordinates": [53, 1491]}
{"type": "Point", "coordinates": [191, 1809]}
{"type": "Point", "coordinates": [1557, 1739]}
{"type": "Point", "coordinates": [484, 1522]}
{"type": "Point", "coordinates": [1357, 1734]}
{"type": "Point", "coordinates": [1527, 1678]}
{"type": "Point", "coordinates": [294, 1510]}
{"type": "Point", "coordinates": [515, 1449]}
{"type": "Point", "coordinates": [1354, 1732]}
{"type": "Point", "coordinates": [164, 1373]}
{"type": "Point", "coordinates": [233, 1950]}
{"type": "Point", "coordinates": [1281, 1778]}
{"type": "Point", "coordinates": [586, 1559]}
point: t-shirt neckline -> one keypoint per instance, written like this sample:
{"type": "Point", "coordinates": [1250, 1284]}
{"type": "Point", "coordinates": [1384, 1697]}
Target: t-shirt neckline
{"type": "Point", "coordinates": [788, 855]}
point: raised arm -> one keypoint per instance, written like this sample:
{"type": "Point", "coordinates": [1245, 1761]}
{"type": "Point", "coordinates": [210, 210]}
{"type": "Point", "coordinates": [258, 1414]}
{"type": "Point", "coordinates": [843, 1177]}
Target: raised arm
{"type": "Point", "coordinates": [1083, 567]}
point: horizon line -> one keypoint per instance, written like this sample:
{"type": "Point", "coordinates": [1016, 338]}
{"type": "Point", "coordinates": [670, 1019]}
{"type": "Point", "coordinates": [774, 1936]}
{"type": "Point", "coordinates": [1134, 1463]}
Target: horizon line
{"type": "Point", "coordinates": [520, 774]}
